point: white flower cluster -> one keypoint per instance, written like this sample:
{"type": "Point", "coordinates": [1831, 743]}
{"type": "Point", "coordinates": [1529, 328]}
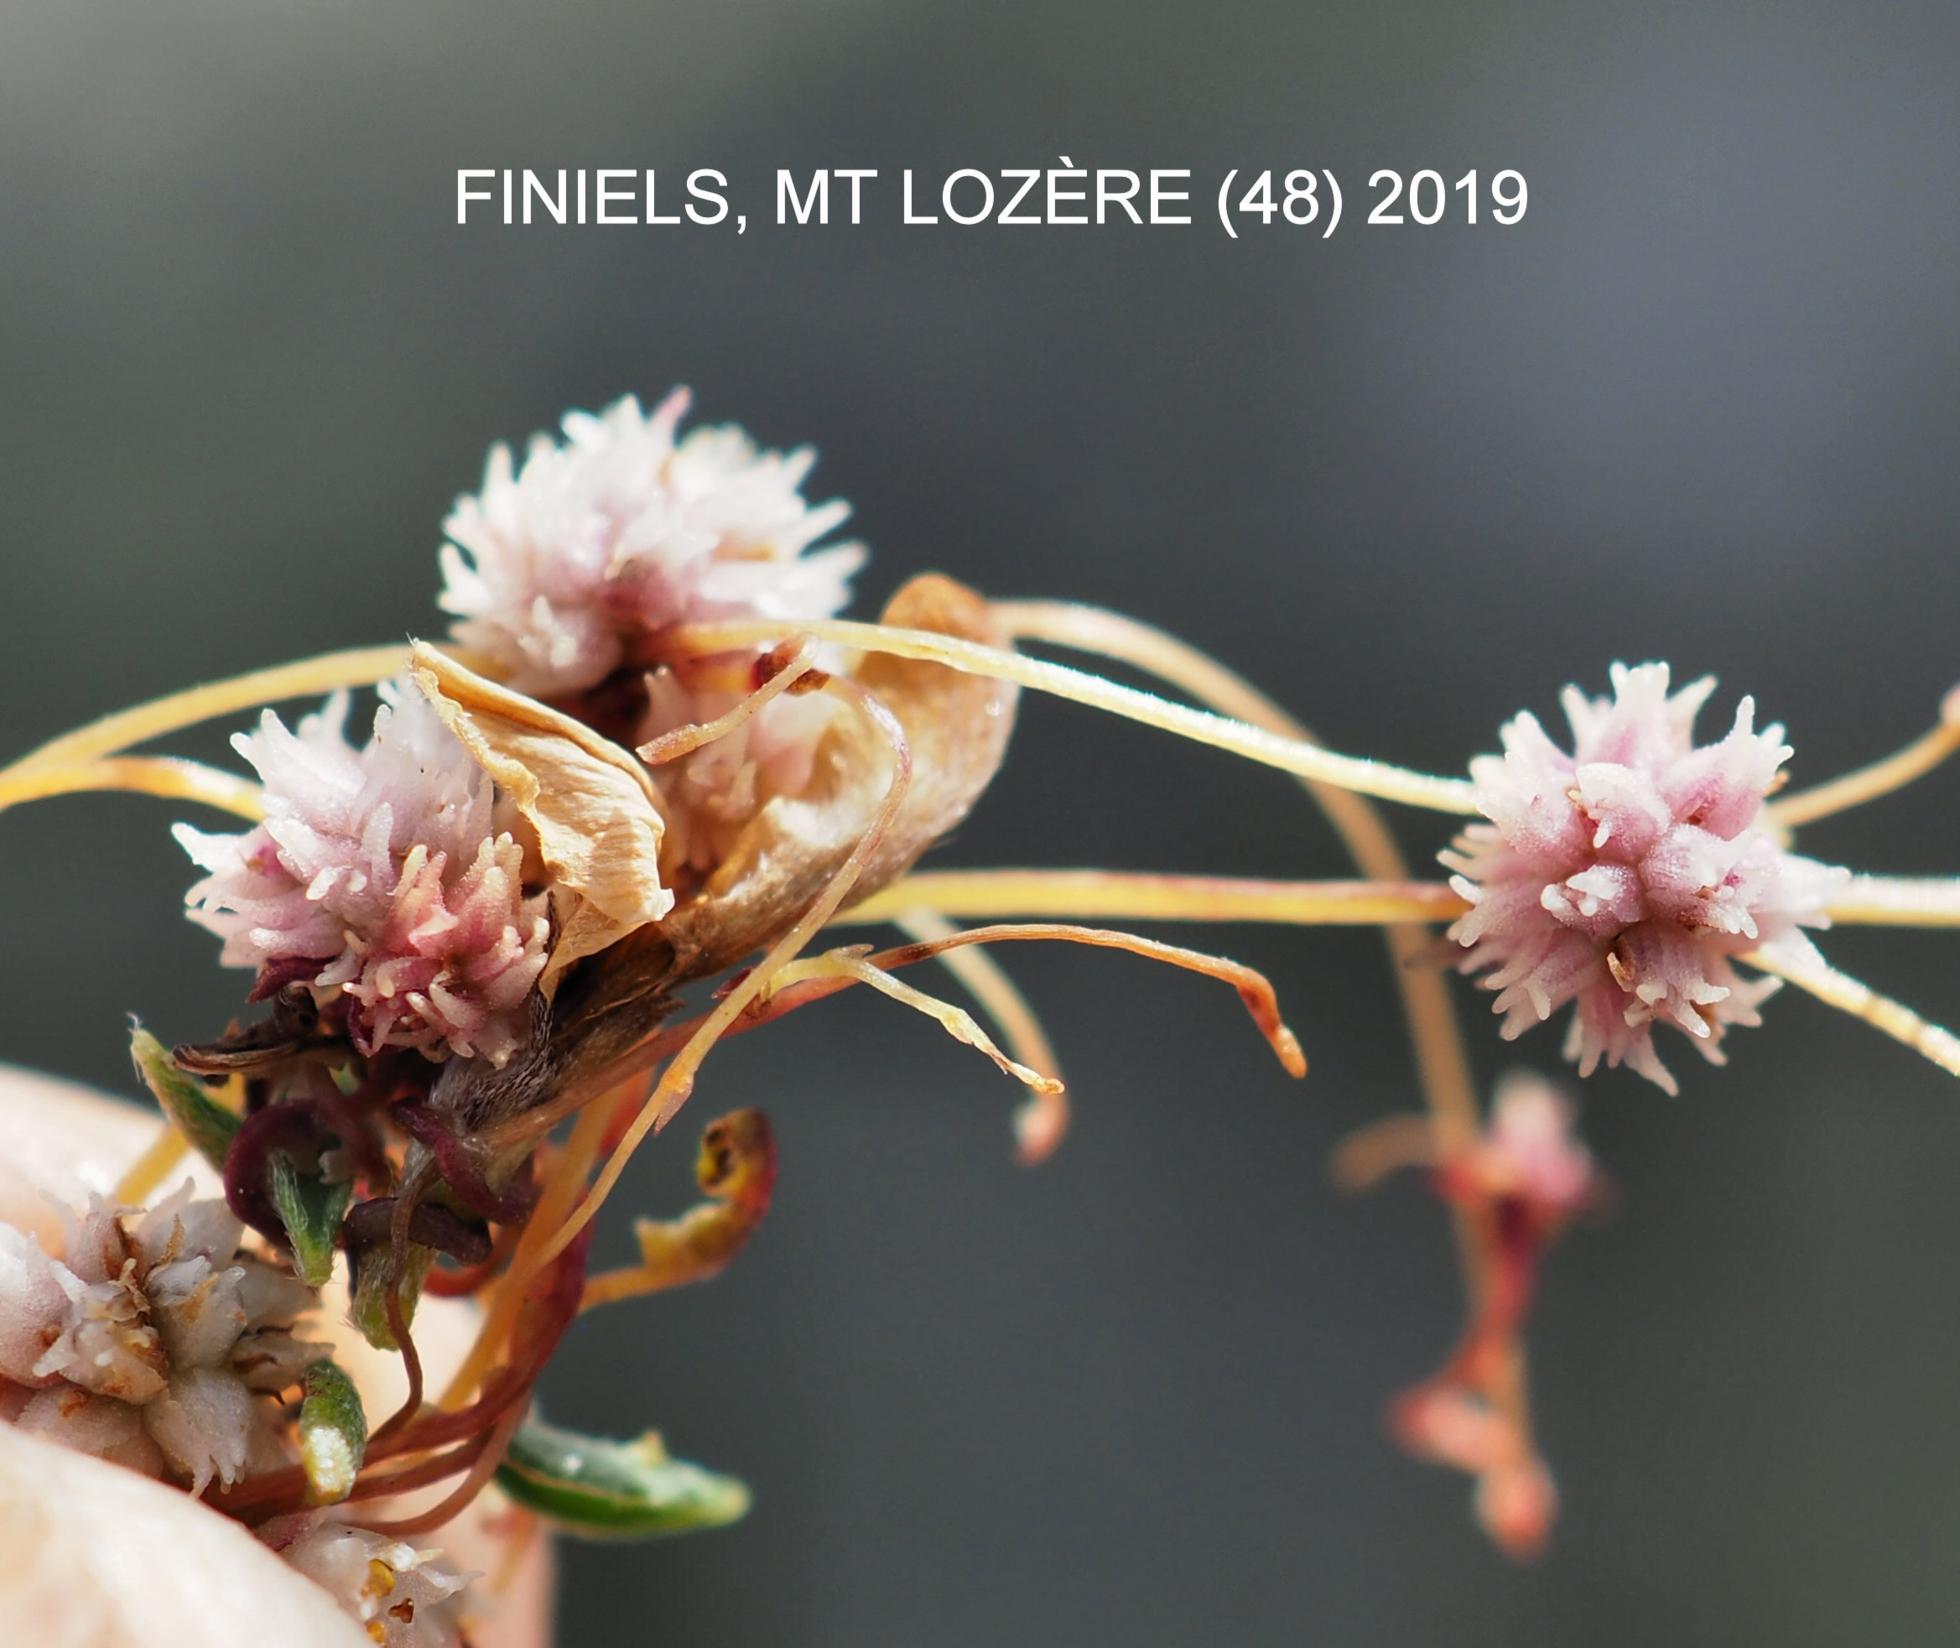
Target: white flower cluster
{"type": "Point", "coordinates": [152, 1341]}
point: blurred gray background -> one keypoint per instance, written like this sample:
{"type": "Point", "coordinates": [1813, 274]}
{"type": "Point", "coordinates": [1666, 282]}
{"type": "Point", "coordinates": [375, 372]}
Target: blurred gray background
{"type": "Point", "coordinates": [1700, 405]}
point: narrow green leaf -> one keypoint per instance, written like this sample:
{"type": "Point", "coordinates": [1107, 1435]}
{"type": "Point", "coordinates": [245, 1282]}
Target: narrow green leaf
{"type": "Point", "coordinates": [332, 1434]}
{"type": "Point", "coordinates": [369, 1310]}
{"type": "Point", "coordinates": [311, 1211]}
{"type": "Point", "coordinates": [602, 1489]}
{"type": "Point", "coordinates": [205, 1123]}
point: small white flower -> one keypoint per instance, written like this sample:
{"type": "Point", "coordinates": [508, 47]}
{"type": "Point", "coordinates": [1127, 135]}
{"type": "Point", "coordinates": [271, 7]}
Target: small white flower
{"type": "Point", "coordinates": [406, 1598]}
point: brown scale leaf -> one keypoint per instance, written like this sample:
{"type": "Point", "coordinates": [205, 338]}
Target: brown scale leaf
{"type": "Point", "coordinates": [592, 804]}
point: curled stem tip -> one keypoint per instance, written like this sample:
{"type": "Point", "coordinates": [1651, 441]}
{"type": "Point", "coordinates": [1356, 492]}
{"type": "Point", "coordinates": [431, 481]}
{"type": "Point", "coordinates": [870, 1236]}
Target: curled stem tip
{"type": "Point", "coordinates": [1255, 990]}
{"type": "Point", "coordinates": [1442, 1062]}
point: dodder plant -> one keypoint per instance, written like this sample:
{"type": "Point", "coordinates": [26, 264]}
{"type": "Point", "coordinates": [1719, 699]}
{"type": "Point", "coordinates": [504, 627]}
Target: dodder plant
{"type": "Point", "coordinates": [648, 756]}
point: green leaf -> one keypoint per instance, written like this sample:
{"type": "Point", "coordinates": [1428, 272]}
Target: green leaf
{"type": "Point", "coordinates": [311, 1211]}
{"type": "Point", "coordinates": [369, 1310]}
{"type": "Point", "coordinates": [205, 1123]}
{"type": "Point", "coordinates": [601, 1489]}
{"type": "Point", "coordinates": [332, 1434]}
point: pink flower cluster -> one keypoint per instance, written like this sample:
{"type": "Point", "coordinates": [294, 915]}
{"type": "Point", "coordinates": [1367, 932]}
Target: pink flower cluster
{"type": "Point", "coordinates": [1624, 877]}
{"type": "Point", "coordinates": [573, 566]}
{"type": "Point", "coordinates": [380, 881]}
{"type": "Point", "coordinates": [567, 568]}
{"type": "Point", "coordinates": [1529, 1152]}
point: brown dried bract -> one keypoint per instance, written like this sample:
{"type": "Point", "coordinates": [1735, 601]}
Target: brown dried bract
{"type": "Point", "coordinates": [592, 805]}
{"type": "Point", "coordinates": [957, 725]}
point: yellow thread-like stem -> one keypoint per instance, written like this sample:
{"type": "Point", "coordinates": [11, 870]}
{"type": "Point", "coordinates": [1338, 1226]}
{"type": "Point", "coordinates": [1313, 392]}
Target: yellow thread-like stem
{"type": "Point", "coordinates": [150, 1169]}
{"type": "Point", "coordinates": [1854, 789]}
{"type": "Point", "coordinates": [1441, 1060]}
{"type": "Point", "coordinates": [955, 1021]}
{"type": "Point", "coordinates": [357, 667]}
{"type": "Point", "coordinates": [677, 1080]}
{"type": "Point", "coordinates": [1440, 1055]}
{"type": "Point", "coordinates": [564, 1179]}
{"type": "Point", "coordinates": [671, 746]}
{"type": "Point", "coordinates": [1450, 795]}
{"type": "Point", "coordinates": [1254, 989]}
{"type": "Point", "coordinates": [157, 775]}
{"type": "Point", "coordinates": [1898, 901]}
{"type": "Point", "coordinates": [1113, 895]}
{"type": "Point", "coordinates": [1842, 991]}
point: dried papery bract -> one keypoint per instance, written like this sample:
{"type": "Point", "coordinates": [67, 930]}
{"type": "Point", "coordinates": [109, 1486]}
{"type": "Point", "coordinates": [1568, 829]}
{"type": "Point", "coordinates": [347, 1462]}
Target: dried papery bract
{"type": "Point", "coordinates": [787, 864]}
{"type": "Point", "coordinates": [590, 805]}
{"type": "Point", "coordinates": [676, 1081]}
{"type": "Point", "coordinates": [469, 919]}
{"type": "Point", "coordinates": [797, 859]}
{"type": "Point", "coordinates": [955, 729]}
